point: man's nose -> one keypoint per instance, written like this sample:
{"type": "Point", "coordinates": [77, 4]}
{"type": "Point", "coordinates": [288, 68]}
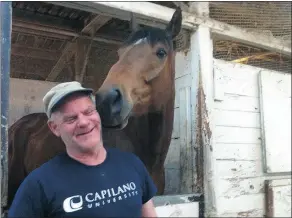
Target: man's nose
{"type": "Point", "coordinates": [82, 121]}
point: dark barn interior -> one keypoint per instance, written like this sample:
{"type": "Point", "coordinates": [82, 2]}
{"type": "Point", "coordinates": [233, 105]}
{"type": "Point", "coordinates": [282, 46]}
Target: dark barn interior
{"type": "Point", "coordinates": [56, 43]}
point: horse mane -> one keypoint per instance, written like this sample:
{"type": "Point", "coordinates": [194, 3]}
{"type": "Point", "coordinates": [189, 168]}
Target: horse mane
{"type": "Point", "coordinates": [153, 36]}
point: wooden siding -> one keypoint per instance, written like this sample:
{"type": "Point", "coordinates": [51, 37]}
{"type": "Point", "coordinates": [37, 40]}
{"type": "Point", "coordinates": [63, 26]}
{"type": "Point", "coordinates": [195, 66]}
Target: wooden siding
{"type": "Point", "coordinates": [238, 145]}
{"type": "Point", "coordinates": [275, 101]}
{"type": "Point", "coordinates": [179, 161]}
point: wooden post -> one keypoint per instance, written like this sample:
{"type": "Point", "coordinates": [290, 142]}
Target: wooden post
{"type": "Point", "coordinates": [5, 47]}
{"type": "Point", "coordinates": [202, 81]}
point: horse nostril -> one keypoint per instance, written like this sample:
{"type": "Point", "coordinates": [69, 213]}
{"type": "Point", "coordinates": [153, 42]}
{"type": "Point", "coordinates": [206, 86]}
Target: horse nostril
{"type": "Point", "coordinates": [116, 101]}
{"type": "Point", "coordinates": [118, 96]}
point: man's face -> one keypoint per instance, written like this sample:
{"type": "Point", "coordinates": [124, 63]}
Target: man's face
{"type": "Point", "coordinates": [78, 124]}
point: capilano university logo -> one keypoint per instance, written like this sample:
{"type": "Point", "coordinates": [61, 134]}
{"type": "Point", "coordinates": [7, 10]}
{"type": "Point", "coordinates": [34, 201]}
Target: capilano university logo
{"type": "Point", "coordinates": [97, 199]}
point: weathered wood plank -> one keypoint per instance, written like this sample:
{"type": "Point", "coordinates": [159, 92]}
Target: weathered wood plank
{"type": "Point", "coordinates": [278, 194]}
{"type": "Point", "coordinates": [237, 119]}
{"type": "Point", "coordinates": [275, 93]}
{"type": "Point", "coordinates": [239, 169]}
{"type": "Point", "coordinates": [172, 181]}
{"type": "Point", "coordinates": [175, 131]}
{"type": "Point", "coordinates": [178, 205]}
{"type": "Point", "coordinates": [182, 64]}
{"type": "Point", "coordinates": [178, 210]}
{"type": "Point", "coordinates": [241, 204]}
{"type": "Point", "coordinates": [235, 187]}
{"type": "Point", "coordinates": [237, 135]}
{"type": "Point", "coordinates": [236, 78]}
{"type": "Point", "coordinates": [180, 83]}
{"type": "Point", "coordinates": [234, 102]}
{"type": "Point", "coordinates": [202, 70]}
{"type": "Point", "coordinates": [186, 148]}
{"type": "Point", "coordinates": [238, 151]}
{"type": "Point", "coordinates": [259, 212]}
{"type": "Point", "coordinates": [173, 156]}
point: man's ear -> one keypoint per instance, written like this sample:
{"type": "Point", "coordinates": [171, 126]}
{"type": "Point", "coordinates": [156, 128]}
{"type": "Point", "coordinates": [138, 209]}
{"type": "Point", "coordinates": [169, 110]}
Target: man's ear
{"type": "Point", "coordinates": [54, 128]}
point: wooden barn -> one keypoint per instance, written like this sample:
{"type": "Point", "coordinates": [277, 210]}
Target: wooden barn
{"type": "Point", "coordinates": [230, 152]}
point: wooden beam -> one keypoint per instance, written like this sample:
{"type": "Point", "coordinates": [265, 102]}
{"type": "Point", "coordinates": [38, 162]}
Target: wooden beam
{"type": "Point", "coordinates": [90, 29]}
{"type": "Point", "coordinates": [184, 6]}
{"type": "Point", "coordinates": [81, 58]}
{"type": "Point", "coordinates": [150, 13]}
{"type": "Point", "coordinates": [28, 31]}
{"type": "Point", "coordinates": [63, 32]}
{"type": "Point", "coordinates": [41, 19]}
{"type": "Point", "coordinates": [95, 24]}
{"type": "Point", "coordinates": [66, 55]}
{"type": "Point", "coordinates": [23, 51]}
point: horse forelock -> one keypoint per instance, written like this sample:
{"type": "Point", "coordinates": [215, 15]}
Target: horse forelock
{"type": "Point", "coordinates": [151, 35]}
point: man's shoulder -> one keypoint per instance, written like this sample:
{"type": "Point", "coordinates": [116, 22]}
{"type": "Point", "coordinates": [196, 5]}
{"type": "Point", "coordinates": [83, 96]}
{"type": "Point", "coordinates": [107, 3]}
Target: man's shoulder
{"type": "Point", "coordinates": [123, 155]}
{"type": "Point", "coordinates": [128, 158]}
{"type": "Point", "coordinates": [46, 169]}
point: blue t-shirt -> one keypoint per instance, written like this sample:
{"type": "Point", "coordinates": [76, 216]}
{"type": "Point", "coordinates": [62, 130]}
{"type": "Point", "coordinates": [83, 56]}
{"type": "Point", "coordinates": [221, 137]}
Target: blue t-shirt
{"type": "Point", "coordinates": [63, 187]}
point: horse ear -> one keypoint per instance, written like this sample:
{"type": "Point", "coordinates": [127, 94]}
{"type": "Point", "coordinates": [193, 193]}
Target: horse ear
{"type": "Point", "coordinates": [174, 26]}
{"type": "Point", "coordinates": [133, 23]}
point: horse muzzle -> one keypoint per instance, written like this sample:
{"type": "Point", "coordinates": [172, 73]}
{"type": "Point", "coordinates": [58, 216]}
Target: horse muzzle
{"type": "Point", "coordinates": [114, 109]}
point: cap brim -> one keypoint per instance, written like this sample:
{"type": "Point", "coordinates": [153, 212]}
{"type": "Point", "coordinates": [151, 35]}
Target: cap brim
{"type": "Point", "coordinates": [58, 100]}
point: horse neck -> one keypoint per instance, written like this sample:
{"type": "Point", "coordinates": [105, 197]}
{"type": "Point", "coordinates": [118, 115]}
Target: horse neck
{"type": "Point", "coordinates": [151, 132]}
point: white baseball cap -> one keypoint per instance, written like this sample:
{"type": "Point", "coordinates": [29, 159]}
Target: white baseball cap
{"type": "Point", "coordinates": [59, 92]}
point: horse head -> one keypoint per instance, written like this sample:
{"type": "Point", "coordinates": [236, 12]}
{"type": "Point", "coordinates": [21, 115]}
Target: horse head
{"type": "Point", "coordinates": [142, 80]}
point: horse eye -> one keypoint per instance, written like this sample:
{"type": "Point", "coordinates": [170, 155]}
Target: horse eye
{"type": "Point", "coordinates": [161, 53]}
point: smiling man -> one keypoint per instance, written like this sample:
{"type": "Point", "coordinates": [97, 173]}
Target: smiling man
{"type": "Point", "coordinates": [88, 180]}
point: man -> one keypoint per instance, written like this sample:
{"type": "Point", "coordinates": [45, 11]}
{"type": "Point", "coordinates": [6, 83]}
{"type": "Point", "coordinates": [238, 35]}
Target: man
{"type": "Point", "coordinates": [89, 180]}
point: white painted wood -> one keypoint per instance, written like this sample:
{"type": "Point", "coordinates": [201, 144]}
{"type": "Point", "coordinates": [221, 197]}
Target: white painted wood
{"type": "Point", "coordinates": [238, 168]}
{"type": "Point", "coordinates": [182, 64]}
{"type": "Point", "coordinates": [235, 187]}
{"type": "Point", "coordinates": [218, 87]}
{"type": "Point", "coordinates": [202, 64]}
{"type": "Point", "coordinates": [248, 204]}
{"type": "Point", "coordinates": [249, 213]}
{"type": "Point", "coordinates": [178, 210]}
{"type": "Point", "coordinates": [180, 83]}
{"type": "Point", "coordinates": [236, 79]}
{"type": "Point", "coordinates": [238, 146]}
{"type": "Point", "coordinates": [177, 205]}
{"type": "Point", "coordinates": [238, 103]}
{"type": "Point", "coordinates": [26, 97]}
{"type": "Point", "coordinates": [279, 196]}
{"type": "Point", "coordinates": [237, 135]}
{"type": "Point", "coordinates": [238, 151]}
{"type": "Point", "coordinates": [237, 119]}
{"type": "Point", "coordinates": [275, 92]}
{"type": "Point", "coordinates": [149, 12]}
{"type": "Point", "coordinates": [175, 131]}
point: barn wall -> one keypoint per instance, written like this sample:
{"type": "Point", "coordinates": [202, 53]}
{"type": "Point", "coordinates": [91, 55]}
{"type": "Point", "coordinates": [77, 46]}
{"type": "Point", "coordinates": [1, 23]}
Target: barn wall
{"type": "Point", "coordinates": [25, 97]}
{"type": "Point", "coordinates": [238, 148]}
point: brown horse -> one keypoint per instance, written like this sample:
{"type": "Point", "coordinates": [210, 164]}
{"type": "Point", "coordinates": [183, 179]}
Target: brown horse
{"type": "Point", "coordinates": [136, 104]}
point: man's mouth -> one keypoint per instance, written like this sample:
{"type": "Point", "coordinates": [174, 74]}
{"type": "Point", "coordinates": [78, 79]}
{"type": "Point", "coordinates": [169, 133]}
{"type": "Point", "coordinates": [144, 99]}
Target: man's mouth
{"type": "Point", "coordinates": [85, 133]}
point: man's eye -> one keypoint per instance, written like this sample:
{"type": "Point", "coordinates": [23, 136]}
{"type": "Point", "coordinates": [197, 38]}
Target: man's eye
{"type": "Point", "coordinates": [70, 120]}
{"type": "Point", "coordinates": [89, 112]}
